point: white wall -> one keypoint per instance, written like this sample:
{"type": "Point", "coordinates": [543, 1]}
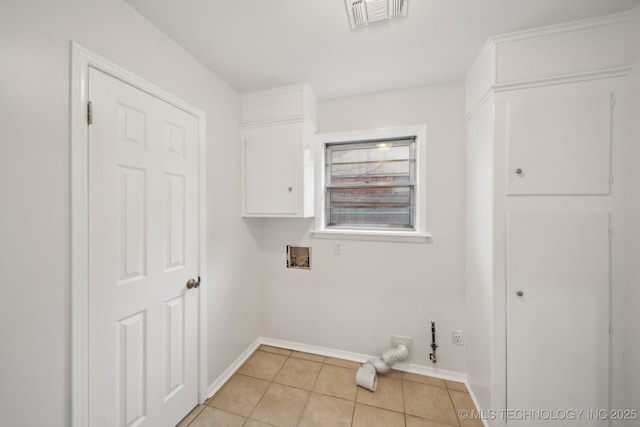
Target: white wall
{"type": "Point", "coordinates": [632, 226]}
{"type": "Point", "coordinates": [35, 193]}
{"type": "Point", "coordinates": [355, 301]}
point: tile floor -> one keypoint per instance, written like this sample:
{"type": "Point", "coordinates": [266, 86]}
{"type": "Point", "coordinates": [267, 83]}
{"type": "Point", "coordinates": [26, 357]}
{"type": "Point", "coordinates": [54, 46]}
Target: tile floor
{"type": "Point", "coordinates": [283, 388]}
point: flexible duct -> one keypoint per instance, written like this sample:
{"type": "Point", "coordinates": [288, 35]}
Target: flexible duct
{"type": "Point", "coordinates": [366, 375]}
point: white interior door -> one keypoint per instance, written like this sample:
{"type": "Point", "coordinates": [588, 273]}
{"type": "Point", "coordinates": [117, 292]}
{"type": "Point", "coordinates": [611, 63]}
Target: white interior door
{"type": "Point", "coordinates": [143, 248]}
{"type": "Point", "coordinates": [557, 314]}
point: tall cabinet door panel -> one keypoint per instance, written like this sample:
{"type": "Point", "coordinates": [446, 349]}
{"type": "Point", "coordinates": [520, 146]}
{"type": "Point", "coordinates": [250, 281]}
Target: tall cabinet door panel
{"type": "Point", "coordinates": [272, 169]}
{"type": "Point", "coordinates": [559, 139]}
{"type": "Point", "coordinates": [557, 312]}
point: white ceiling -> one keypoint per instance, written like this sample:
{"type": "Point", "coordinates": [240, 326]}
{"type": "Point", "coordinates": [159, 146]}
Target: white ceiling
{"type": "Point", "coordinates": [260, 44]}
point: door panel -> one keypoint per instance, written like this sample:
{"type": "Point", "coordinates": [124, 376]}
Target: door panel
{"type": "Point", "coordinates": [558, 329]}
{"type": "Point", "coordinates": [132, 224]}
{"type": "Point", "coordinates": [559, 139]}
{"type": "Point", "coordinates": [143, 244]}
{"type": "Point", "coordinates": [133, 367]}
{"type": "Point", "coordinates": [175, 225]}
{"type": "Point", "coordinates": [271, 159]}
{"type": "Point", "coordinates": [175, 351]}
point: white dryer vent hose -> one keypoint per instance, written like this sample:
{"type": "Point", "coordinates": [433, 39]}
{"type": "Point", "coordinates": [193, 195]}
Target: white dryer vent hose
{"type": "Point", "coordinates": [366, 375]}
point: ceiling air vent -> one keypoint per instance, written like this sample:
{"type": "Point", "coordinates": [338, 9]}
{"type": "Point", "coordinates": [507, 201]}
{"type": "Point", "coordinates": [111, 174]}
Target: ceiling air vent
{"type": "Point", "coordinates": [364, 12]}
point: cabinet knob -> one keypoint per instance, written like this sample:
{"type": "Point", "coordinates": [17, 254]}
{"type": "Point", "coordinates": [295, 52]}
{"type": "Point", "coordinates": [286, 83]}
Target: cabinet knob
{"type": "Point", "coordinates": [520, 293]}
{"type": "Point", "coordinates": [519, 171]}
{"type": "Point", "coordinates": [290, 189]}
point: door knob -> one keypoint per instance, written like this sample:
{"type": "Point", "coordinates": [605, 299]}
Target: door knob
{"type": "Point", "coordinates": [520, 293]}
{"type": "Point", "coordinates": [193, 283]}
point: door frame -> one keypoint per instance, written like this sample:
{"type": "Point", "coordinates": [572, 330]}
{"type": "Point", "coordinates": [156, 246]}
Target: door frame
{"type": "Point", "coordinates": [81, 60]}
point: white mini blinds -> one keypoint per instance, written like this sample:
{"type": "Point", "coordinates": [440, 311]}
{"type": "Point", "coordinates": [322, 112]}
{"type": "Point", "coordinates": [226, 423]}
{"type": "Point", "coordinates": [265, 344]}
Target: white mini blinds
{"type": "Point", "coordinates": [371, 184]}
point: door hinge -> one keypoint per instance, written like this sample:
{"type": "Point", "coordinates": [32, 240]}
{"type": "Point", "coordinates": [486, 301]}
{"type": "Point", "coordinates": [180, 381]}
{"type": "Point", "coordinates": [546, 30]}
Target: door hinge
{"type": "Point", "coordinates": [610, 178]}
{"type": "Point", "coordinates": [610, 230]}
{"type": "Point", "coordinates": [612, 100]}
{"type": "Point", "coordinates": [90, 113]}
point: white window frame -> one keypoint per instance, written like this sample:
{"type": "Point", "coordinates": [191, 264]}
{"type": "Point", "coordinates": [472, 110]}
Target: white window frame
{"type": "Point", "coordinates": [419, 234]}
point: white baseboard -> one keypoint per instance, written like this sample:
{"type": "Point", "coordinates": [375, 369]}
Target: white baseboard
{"type": "Point", "coordinates": [361, 358]}
{"type": "Point", "coordinates": [485, 423]}
{"type": "Point", "coordinates": [329, 352]}
{"type": "Point", "coordinates": [322, 351]}
{"type": "Point", "coordinates": [231, 369]}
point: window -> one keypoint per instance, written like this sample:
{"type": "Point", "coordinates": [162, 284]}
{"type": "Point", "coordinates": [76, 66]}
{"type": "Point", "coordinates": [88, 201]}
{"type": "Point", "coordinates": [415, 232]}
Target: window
{"type": "Point", "coordinates": [371, 185]}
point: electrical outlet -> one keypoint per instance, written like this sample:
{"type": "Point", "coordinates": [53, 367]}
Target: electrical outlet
{"type": "Point", "coordinates": [408, 341]}
{"type": "Point", "coordinates": [457, 337]}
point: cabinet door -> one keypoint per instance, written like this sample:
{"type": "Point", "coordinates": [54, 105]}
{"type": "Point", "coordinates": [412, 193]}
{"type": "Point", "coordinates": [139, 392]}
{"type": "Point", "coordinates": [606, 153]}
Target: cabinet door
{"type": "Point", "coordinates": [272, 170]}
{"type": "Point", "coordinates": [558, 313]}
{"type": "Point", "coordinates": [559, 139]}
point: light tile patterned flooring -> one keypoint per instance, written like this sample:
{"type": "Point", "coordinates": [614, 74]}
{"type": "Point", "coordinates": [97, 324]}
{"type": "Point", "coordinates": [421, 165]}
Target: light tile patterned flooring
{"type": "Point", "coordinates": [283, 388]}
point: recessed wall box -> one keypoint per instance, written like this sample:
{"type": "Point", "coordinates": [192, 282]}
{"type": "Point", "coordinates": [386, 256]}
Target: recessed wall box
{"type": "Point", "coordinates": [299, 257]}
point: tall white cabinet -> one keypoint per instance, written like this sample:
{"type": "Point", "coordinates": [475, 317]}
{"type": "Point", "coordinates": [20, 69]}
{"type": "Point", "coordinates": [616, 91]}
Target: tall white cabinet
{"type": "Point", "coordinates": [278, 128]}
{"type": "Point", "coordinates": [545, 122]}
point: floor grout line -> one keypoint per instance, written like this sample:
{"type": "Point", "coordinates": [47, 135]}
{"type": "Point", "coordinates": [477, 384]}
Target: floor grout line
{"type": "Point", "coordinates": [336, 364]}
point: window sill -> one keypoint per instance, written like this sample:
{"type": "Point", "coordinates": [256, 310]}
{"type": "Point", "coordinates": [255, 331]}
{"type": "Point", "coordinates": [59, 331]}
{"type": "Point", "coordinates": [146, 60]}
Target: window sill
{"type": "Point", "coordinates": [378, 235]}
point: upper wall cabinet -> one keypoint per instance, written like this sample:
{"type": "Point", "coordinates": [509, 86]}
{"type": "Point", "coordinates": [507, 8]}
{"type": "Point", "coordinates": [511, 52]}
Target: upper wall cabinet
{"type": "Point", "coordinates": [277, 152]}
{"type": "Point", "coordinates": [583, 50]}
{"type": "Point", "coordinates": [559, 138]}
{"type": "Point", "coordinates": [289, 103]}
{"type": "Point", "coordinates": [570, 51]}
{"type": "Point", "coordinates": [278, 170]}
